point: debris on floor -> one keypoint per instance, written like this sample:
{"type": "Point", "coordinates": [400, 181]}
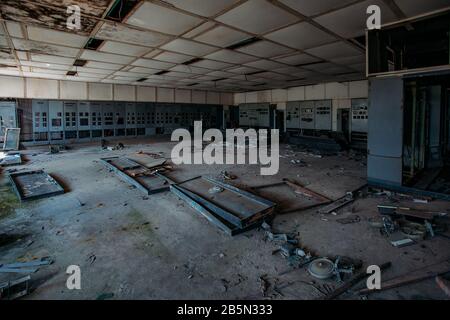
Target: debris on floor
{"type": "Point", "coordinates": [32, 185]}
{"type": "Point", "coordinates": [25, 267]}
{"type": "Point", "coordinates": [15, 289]}
{"type": "Point", "coordinates": [10, 158]}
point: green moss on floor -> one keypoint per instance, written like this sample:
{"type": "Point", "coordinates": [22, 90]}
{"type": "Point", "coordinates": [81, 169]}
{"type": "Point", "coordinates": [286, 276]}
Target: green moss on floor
{"type": "Point", "coordinates": [8, 201]}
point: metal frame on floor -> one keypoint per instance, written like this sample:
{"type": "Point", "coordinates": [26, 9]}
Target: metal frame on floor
{"type": "Point", "coordinates": [224, 217]}
{"type": "Point", "coordinates": [13, 177]}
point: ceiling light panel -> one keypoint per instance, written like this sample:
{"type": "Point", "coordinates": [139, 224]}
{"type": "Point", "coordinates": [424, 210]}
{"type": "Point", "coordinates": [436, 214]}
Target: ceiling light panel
{"type": "Point", "coordinates": [301, 36]}
{"type": "Point", "coordinates": [222, 36]}
{"type": "Point", "coordinates": [56, 37]}
{"type": "Point", "coordinates": [188, 47]}
{"type": "Point", "coordinates": [159, 18]}
{"type": "Point", "coordinates": [105, 57]}
{"type": "Point", "coordinates": [173, 57]}
{"type": "Point", "coordinates": [230, 57]}
{"type": "Point", "coordinates": [207, 8]}
{"type": "Point", "coordinates": [147, 63]}
{"type": "Point", "coordinates": [265, 49]}
{"type": "Point", "coordinates": [351, 21]}
{"type": "Point", "coordinates": [257, 16]}
{"type": "Point", "coordinates": [297, 59]}
{"type": "Point", "coordinates": [311, 8]}
{"type": "Point", "coordinates": [123, 49]}
{"type": "Point", "coordinates": [44, 48]}
{"type": "Point", "coordinates": [121, 33]}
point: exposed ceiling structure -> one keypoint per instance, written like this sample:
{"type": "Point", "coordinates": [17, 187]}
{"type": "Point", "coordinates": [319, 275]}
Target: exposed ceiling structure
{"type": "Point", "coordinates": [220, 45]}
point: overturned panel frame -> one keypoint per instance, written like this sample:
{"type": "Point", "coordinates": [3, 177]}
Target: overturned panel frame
{"type": "Point", "coordinates": [15, 181]}
{"type": "Point", "coordinates": [306, 192]}
{"type": "Point", "coordinates": [225, 217]}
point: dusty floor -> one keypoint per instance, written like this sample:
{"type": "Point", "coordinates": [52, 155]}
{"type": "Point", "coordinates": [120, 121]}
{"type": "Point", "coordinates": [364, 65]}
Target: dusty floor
{"type": "Point", "coordinates": [133, 246]}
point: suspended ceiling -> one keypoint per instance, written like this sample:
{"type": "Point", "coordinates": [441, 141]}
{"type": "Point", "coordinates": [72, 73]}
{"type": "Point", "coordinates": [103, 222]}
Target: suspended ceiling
{"type": "Point", "coordinates": [195, 43]}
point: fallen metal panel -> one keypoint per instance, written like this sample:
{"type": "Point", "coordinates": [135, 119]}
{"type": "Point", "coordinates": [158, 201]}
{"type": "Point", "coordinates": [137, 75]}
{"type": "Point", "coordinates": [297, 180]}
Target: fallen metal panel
{"type": "Point", "coordinates": [34, 185]}
{"type": "Point", "coordinates": [217, 220]}
{"type": "Point", "coordinates": [140, 176]}
{"type": "Point", "coordinates": [12, 139]}
{"type": "Point", "coordinates": [232, 204]}
{"type": "Point", "coordinates": [290, 196]}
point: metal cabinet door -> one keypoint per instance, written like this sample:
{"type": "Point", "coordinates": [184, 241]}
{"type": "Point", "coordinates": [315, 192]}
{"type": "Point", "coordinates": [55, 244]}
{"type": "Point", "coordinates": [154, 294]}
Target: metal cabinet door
{"type": "Point", "coordinates": [8, 117]}
{"type": "Point", "coordinates": [120, 119]}
{"type": "Point", "coordinates": [70, 120]}
{"type": "Point", "coordinates": [293, 115]}
{"type": "Point", "coordinates": [56, 120]}
{"type": "Point", "coordinates": [323, 115]}
{"type": "Point", "coordinates": [96, 120]}
{"type": "Point", "coordinates": [307, 115]}
{"type": "Point", "coordinates": [108, 109]}
{"type": "Point", "coordinates": [84, 120]}
{"type": "Point", "coordinates": [360, 115]}
{"type": "Point", "coordinates": [131, 118]}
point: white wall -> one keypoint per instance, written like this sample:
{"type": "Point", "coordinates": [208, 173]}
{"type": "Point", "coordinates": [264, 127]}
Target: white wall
{"type": "Point", "coordinates": [35, 88]}
{"type": "Point", "coordinates": [340, 93]}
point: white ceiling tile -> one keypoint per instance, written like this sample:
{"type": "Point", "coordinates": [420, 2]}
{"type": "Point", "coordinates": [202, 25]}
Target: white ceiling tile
{"type": "Point", "coordinates": [22, 55]}
{"type": "Point", "coordinates": [265, 49]}
{"type": "Point", "coordinates": [121, 33]}
{"type": "Point", "coordinates": [220, 74]}
{"type": "Point", "coordinates": [105, 57]}
{"type": "Point", "coordinates": [413, 8]}
{"type": "Point", "coordinates": [52, 59]}
{"type": "Point", "coordinates": [43, 75]}
{"type": "Point", "coordinates": [123, 49]}
{"type": "Point", "coordinates": [301, 36]}
{"type": "Point", "coordinates": [201, 28]}
{"type": "Point", "coordinates": [257, 16]}
{"type": "Point", "coordinates": [49, 71]}
{"type": "Point", "coordinates": [3, 42]}
{"type": "Point", "coordinates": [349, 60]}
{"type": "Point", "coordinates": [319, 66]}
{"type": "Point", "coordinates": [130, 74]}
{"type": "Point", "coordinates": [190, 69]}
{"type": "Point", "coordinates": [14, 29]}
{"type": "Point", "coordinates": [289, 70]}
{"type": "Point", "coordinates": [92, 70]}
{"type": "Point", "coordinates": [242, 70]}
{"type": "Point", "coordinates": [154, 17]}
{"type": "Point", "coordinates": [44, 48]}
{"type": "Point", "coordinates": [173, 57]}
{"type": "Point", "coordinates": [351, 21]}
{"type": "Point", "coordinates": [334, 50]}
{"type": "Point", "coordinates": [230, 56]}
{"type": "Point", "coordinates": [311, 8]}
{"type": "Point", "coordinates": [188, 47]}
{"type": "Point", "coordinates": [222, 36]}
{"type": "Point", "coordinates": [297, 59]}
{"type": "Point", "coordinates": [46, 65]}
{"type": "Point", "coordinates": [265, 64]}
{"type": "Point", "coordinates": [56, 37]}
{"type": "Point", "coordinates": [147, 63]}
{"type": "Point", "coordinates": [102, 65]}
{"type": "Point", "coordinates": [214, 65]}
{"type": "Point", "coordinates": [153, 53]}
{"type": "Point", "coordinates": [144, 70]}
{"type": "Point", "coordinates": [175, 74]}
{"type": "Point", "coordinates": [201, 7]}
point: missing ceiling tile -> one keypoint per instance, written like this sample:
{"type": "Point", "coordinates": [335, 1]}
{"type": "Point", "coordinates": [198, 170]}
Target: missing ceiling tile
{"type": "Point", "coordinates": [72, 73]}
{"type": "Point", "coordinates": [93, 44]}
{"type": "Point", "coordinates": [120, 9]}
{"type": "Point", "coordinates": [243, 43]}
{"type": "Point", "coordinates": [192, 61]}
{"type": "Point", "coordinates": [79, 63]}
{"type": "Point", "coordinates": [161, 73]}
{"type": "Point", "coordinates": [192, 84]}
{"type": "Point", "coordinates": [142, 80]}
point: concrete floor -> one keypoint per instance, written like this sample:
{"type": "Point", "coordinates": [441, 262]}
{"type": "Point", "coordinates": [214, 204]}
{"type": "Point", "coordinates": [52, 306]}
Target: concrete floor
{"type": "Point", "coordinates": [133, 246]}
